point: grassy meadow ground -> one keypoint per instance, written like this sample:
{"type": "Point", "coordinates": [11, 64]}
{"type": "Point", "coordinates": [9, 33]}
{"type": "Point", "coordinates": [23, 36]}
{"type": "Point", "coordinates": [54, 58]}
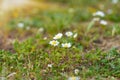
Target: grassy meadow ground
{"type": "Point", "coordinates": [88, 47]}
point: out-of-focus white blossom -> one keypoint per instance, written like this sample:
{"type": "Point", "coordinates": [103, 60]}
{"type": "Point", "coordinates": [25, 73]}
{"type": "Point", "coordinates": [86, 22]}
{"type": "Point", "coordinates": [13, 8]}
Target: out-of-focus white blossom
{"type": "Point", "coordinates": [75, 35]}
{"type": "Point", "coordinates": [103, 22]}
{"type": "Point", "coordinates": [58, 36]}
{"type": "Point", "coordinates": [45, 38]}
{"type": "Point", "coordinates": [66, 45]}
{"type": "Point", "coordinates": [20, 25]}
{"type": "Point", "coordinates": [54, 43]}
{"type": "Point", "coordinates": [114, 1]}
{"type": "Point", "coordinates": [69, 33]}
{"type": "Point", "coordinates": [76, 71]}
{"type": "Point", "coordinates": [50, 65]}
{"type": "Point", "coordinates": [99, 13]}
{"type": "Point", "coordinates": [41, 29]}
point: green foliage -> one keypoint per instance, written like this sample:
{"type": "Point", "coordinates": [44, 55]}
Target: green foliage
{"type": "Point", "coordinates": [115, 30]}
{"type": "Point", "coordinates": [32, 52]}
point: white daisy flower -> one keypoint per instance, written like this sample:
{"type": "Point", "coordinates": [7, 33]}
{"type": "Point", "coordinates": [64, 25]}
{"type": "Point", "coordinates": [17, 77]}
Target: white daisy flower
{"type": "Point", "coordinates": [54, 43]}
{"type": "Point", "coordinates": [50, 65]}
{"type": "Point", "coordinates": [99, 13]}
{"type": "Point", "coordinates": [103, 22]}
{"type": "Point", "coordinates": [75, 35]}
{"type": "Point", "coordinates": [20, 25]}
{"type": "Point", "coordinates": [58, 36]}
{"type": "Point", "coordinates": [66, 45]}
{"type": "Point", "coordinates": [76, 71]}
{"type": "Point", "coordinates": [69, 33]}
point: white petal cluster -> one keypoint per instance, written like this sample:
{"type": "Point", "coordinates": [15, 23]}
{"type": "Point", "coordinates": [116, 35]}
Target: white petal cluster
{"type": "Point", "coordinates": [75, 35]}
{"type": "Point", "coordinates": [58, 36]}
{"type": "Point", "coordinates": [66, 45]}
{"type": "Point", "coordinates": [69, 34]}
{"type": "Point", "coordinates": [76, 71]}
{"type": "Point", "coordinates": [103, 22]}
{"type": "Point", "coordinates": [50, 65]}
{"type": "Point", "coordinates": [20, 25]}
{"type": "Point", "coordinates": [57, 39]}
{"type": "Point", "coordinates": [54, 43]}
{"type": "Point", "coordinates": [114, 1]}
{"type": "Point", "coordinates": [41, 29]}
{"type": "Point", "coordinates": [99, 13]}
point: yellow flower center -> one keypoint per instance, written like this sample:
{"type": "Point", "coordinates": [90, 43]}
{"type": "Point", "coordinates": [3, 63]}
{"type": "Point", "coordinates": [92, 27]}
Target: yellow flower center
{"type": "Point", "coordinates": [54, 42]}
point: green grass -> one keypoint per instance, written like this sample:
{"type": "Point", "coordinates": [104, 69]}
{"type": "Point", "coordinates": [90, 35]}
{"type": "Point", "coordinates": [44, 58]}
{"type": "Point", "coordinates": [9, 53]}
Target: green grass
{"type": "Point", "coordinates": [90, 53]}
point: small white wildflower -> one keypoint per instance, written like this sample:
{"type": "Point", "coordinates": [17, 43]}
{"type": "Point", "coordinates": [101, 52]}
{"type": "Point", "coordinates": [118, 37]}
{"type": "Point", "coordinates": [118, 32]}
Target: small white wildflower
{"type": "Point", "coordinates": [20, 25]}
{"type": "Point", "coordinates": [66, 45]}
{"type": "Point", "coordinates": [76, 71]}
{"type": "Point", "coordinates": [41, 29]}
{"type": "Point", "coordinates": [58, 36]}
{"type": "Point", "coordinates": [99, 13]}
{"type": "Point", "coordinates": [75, 35]}
{"type": "Point", "coordinates": [54, 42]}
{"type": "Point", "coordinates": [96, 19]}
{"type": "Point", "coordinates": [69, 33]}
{"type": "Point", "coordinates": [103, 22]}
{"type": "Point", "coordinates": [114, 1]}
{"type": "Point", "coordinates": [50, 65]}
